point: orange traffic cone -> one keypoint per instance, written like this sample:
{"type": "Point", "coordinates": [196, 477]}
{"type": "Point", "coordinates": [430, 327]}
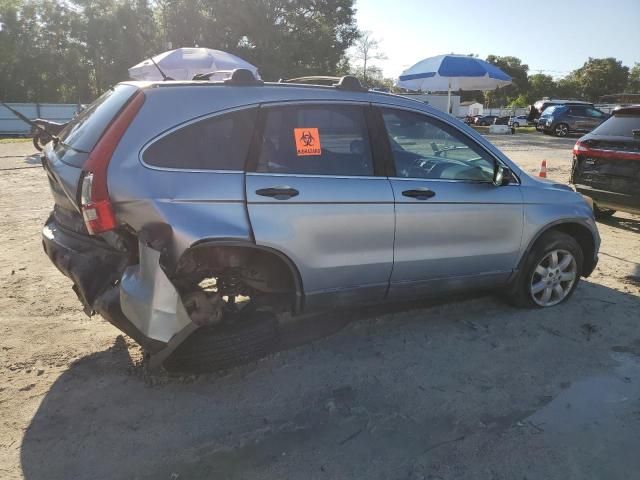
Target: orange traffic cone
{"type": "Point", "coordinates": [543, 169]}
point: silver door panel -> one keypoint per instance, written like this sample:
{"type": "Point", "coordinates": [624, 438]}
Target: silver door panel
{"type": "Point", "coordinates": [466, 230]}
{"type": "Point", "coordinates": [338, 230]}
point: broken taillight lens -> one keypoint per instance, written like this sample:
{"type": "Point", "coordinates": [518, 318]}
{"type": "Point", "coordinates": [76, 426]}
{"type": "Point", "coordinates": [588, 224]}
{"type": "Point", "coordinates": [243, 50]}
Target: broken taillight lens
{"type": "Point", "coordinates": [94, 196]}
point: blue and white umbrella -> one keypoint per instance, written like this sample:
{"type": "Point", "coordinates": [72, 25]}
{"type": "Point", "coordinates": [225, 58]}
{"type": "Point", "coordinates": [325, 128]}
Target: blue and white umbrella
{"type": "Point", "coordinates": [445, 73]}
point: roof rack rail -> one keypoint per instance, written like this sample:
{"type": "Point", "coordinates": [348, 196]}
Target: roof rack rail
{"type": "Point", "coordinates": [347, 82]}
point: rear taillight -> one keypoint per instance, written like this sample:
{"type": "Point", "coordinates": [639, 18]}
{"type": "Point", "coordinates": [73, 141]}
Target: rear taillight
{"type": "Point", "coordinates": [580, 147]}
{"type": "Point", "coordinates": [98, 214]}
{"type": "Point", "coordinates": [596, 151]}
{"type": "Point", "coordinates": [94, 195]}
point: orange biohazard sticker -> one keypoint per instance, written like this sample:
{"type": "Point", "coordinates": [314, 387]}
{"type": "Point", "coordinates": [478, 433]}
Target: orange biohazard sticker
{"type": "Point", "coordinates": [307, 141]}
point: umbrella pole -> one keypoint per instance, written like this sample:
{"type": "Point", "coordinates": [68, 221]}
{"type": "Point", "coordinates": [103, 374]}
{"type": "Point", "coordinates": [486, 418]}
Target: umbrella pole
{"type": "Point", "coordinates": [449, 100]}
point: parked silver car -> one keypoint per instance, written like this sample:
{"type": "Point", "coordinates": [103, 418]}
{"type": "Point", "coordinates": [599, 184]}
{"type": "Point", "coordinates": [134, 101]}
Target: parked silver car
{"type": "Point", "coordinates": [189, 213]}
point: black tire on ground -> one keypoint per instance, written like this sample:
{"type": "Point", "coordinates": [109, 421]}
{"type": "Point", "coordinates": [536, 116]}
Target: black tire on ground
{"type": "Point", "coordinates": [220, 347]}
{"type": "Point", "coordinates": [516, 124]}
{"type": "Point", "coordinates": [602, 213]}
{"type": "Point", "coordinates": [520, 294]}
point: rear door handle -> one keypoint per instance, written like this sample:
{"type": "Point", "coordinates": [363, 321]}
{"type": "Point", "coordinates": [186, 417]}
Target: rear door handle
{"type": "Point", "coordinates": [280, 192]}
{"type": "Point", "coordinates": [419, 193]}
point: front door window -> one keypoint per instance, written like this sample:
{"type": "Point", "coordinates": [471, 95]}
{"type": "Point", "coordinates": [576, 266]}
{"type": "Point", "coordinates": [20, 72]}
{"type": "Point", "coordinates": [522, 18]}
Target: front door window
{"type": "Point", "coordinates": [427, 148]}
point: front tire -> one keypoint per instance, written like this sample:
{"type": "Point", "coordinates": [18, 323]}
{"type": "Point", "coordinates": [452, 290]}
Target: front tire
{"type": "Point", "coordinates": [551, 272]}
{"type": "Point", "coordinates": [561, 130]}
{"type": "Point", "coordinates": [516, 124]}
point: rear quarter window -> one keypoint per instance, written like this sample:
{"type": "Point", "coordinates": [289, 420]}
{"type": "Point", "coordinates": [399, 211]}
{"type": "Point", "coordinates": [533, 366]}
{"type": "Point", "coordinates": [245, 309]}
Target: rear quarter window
{"type": "Point", "coordinates": [83, 132]}
{"type": "Point", "coordinates": [217, 143]}
{"type": "Point", "coordinates": [620, 126]}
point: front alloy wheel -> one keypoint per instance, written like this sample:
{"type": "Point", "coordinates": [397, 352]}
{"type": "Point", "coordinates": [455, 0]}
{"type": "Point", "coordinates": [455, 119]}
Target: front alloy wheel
{"type": "Point", "coordinates": [553, 278]}
{"type": "Point", "coordinates": [549, 273]}
{"type": "Point", "coordinates": [561, 130]}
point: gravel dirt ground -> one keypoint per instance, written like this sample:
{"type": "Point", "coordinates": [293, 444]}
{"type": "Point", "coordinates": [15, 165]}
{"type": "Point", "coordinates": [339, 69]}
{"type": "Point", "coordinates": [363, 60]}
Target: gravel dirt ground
{"type": "Point", "coordinates": [471, 389]}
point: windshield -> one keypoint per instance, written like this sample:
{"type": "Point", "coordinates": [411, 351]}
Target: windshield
{"type": "Point", "coordinates": [551, 110]}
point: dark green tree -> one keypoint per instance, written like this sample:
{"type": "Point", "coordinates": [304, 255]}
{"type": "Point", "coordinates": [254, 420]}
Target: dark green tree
{"type": "Point", "coordinates": [633, 86]}
{"type": "Point", "coordinates": [518, 71]}
{"type": "Point", "coordinates": [568, 87]}
{"type": "Point", "coordinates": [601, 76]}
{"type": "Point", "coordinates": [284, 38]}
{"type": "Point", "coordinates": [540, 85]}
{"type": "Point", "coordinates": [72, 50]}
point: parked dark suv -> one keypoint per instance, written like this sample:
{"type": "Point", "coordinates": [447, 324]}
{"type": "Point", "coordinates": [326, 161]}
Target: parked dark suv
{"type": "Point", "coordinates": [606, 164]}
{"type": "Point", "coordinates": [561, 120]}
{"type": "Point", "coordinates": [540, 106]}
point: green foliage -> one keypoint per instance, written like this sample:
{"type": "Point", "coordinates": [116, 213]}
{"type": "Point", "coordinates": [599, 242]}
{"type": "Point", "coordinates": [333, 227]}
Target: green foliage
{"type": "Point", "coordinates": [597, 77]}
{"type": "Point", "coordinates": [520, 101]}
{"type": "Point", "coordinates": [374, 78]}
{"type": "Point", "coordinates": [71, 51]}
{"type": "Point", "coordinates": [540, 85]}
{"type": "Point", "coordinates": [633, 85]}
{"type": "Point", "coordinates": [601, 76]}
{"type": "Point", "coordinates": [518, 71]}
{"type": "Point", "coordinates": [568, 87]}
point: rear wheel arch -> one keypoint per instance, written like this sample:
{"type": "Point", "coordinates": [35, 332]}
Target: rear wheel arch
{"type": "Point", "coordinates": [228, 252]}
{"type": "Point", "coordinates": [576, 230]}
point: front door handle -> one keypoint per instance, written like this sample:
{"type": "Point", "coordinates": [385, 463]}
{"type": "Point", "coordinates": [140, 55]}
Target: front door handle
{"type": "Point", "coordinates": [281, 192]}
{"type": "Point", "coordinates": [419, 193]}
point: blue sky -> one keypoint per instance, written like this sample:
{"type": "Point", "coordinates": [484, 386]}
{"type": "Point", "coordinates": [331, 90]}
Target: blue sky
{"type": "Point", "coordinates": [553, 36]}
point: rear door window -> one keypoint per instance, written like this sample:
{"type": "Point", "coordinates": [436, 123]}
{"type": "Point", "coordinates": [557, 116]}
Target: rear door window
{"type": "Point", "coordinates": [217, 143]}
{"type": "Point", "coordinates": [595, 113]}
{"type": "Point", "coordinates": [578, 111]}
{"type": "Point", "coordinates": [83, 132]}
{"type": "Point", "coordinates": [316, 140]}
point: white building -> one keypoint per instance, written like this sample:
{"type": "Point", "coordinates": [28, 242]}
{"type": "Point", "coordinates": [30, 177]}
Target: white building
{"type": "Point", "coordinates": [470, 108]}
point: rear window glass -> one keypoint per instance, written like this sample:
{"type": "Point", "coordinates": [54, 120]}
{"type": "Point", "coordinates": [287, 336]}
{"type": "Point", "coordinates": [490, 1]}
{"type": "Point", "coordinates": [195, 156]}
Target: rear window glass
{"type": "Point", "coordinates": [85, 129]}
{"type": "Point", "coordinates": [316, 140]}
{"type": "Point", "coordinates": [218, 143]}
{"type": "Point", "coordinates": [619, 126]}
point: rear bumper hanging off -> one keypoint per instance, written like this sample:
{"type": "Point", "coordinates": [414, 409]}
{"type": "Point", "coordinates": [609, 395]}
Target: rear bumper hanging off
{"type": "Point", "coordinates": [96, 270]}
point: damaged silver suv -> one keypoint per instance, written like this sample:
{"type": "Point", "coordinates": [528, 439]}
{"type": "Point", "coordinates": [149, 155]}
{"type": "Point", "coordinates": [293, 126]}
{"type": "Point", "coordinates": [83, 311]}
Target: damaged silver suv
{"type": "Point", "coordinates": [190, 214]}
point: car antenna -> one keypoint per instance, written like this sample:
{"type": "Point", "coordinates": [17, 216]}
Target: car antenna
{"type": "Point", "coordinates": [164, 77]}
{"type": "Point", "coordinates": [31, 122]}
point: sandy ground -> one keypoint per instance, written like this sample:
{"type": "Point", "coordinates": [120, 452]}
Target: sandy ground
{"type": "Point", "coordinates": [467, 389]}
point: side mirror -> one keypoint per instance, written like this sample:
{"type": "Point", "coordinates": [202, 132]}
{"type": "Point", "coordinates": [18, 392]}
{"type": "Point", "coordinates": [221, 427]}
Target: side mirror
{"type": "Point", "coordinates": [501, 175]}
